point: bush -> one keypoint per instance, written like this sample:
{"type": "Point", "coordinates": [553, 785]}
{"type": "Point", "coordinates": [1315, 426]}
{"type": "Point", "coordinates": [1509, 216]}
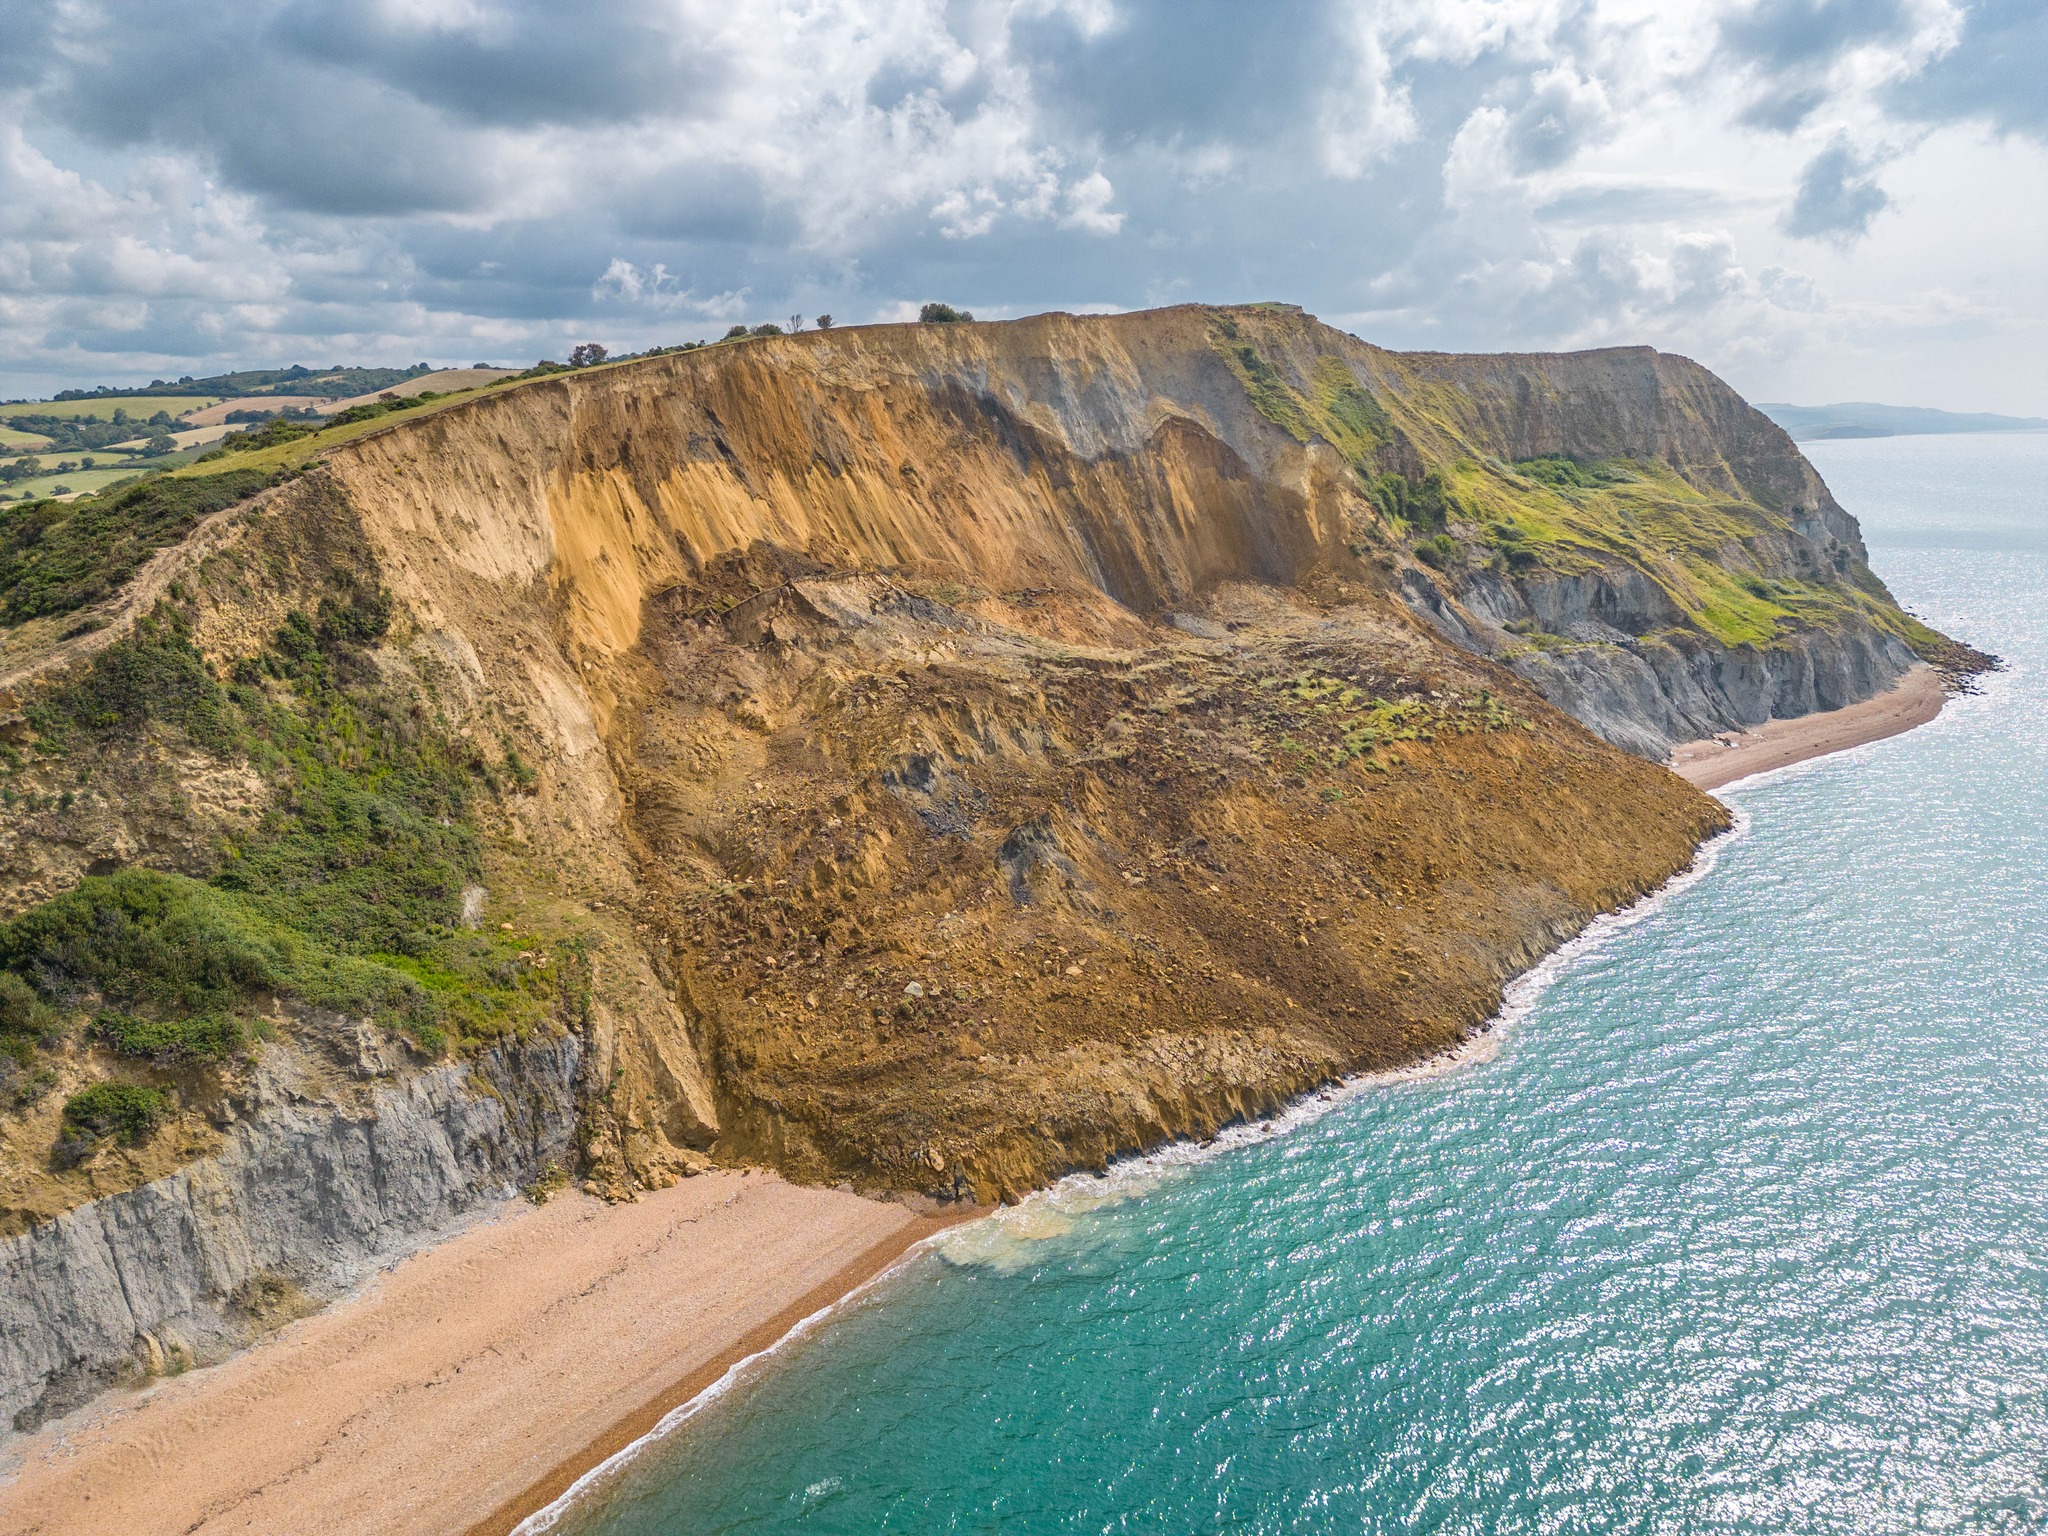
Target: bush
{"type": "Point", "coordinates": [207, 1037]}
{"type": "Point", "coordinates": [153, 676]}
{"type": "Point", "coordinates": [1562, 472]}
{"type": "Point", "coordinates": [127, 1110]}
{"type": "Point", "coordinates": [56, 557]}
{"type": "Point", "coordinates": [21, 1011]}
{"type": "Point", "coordinates": [942, 314]}
{"type": "Point", "coordinates": [1423, 503]}
{"type": "Point", "coordinates": [1440, 552]}
{"type": "Point", "coordinates": [140, 936]}
{"type": "Point", "coordinates": [345, 895]}
{"type": "Point", "coordinates": [769, 329]}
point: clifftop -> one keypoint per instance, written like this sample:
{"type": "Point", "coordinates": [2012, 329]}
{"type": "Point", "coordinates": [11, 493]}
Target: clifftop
{"type": "Point", "coordinates": [932, 756]}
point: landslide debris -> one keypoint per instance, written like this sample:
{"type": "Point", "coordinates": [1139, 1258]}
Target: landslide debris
{"type": "Point", "coordinates": [935, 757]}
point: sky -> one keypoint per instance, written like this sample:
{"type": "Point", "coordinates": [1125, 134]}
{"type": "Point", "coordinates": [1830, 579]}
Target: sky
{"type": "Point", "coordinates": [1819, 199]}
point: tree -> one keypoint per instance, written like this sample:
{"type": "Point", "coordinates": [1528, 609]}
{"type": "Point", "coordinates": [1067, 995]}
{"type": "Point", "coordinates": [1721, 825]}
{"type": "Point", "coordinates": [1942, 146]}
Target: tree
{"type": "Point", "coordinates": [942, 314]}
{"type": "Point", "coordinates": [159, 445]}
{"type": "Point", "coordinates": [824, 322]}
{"type": "Point", "coordinates": [770, 329]}
{"type": "Point", "coordinates": [586, 355]}
{"type": "Point", "coordinates": [736, 333]}
{"type": "Point", "coordinates": [796, 323]}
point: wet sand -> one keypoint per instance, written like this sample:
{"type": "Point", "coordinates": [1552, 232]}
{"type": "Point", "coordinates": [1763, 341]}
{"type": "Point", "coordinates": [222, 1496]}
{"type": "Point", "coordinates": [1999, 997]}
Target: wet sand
{"type": "Point", "coordinates": [1916, 699]}
{"type": "Point", "coordinates": [472, 1383]}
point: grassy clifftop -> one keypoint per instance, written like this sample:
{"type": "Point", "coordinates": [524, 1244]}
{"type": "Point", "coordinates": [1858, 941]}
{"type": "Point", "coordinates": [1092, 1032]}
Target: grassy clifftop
{"type": "Point", "coordinates": [1570, 465]}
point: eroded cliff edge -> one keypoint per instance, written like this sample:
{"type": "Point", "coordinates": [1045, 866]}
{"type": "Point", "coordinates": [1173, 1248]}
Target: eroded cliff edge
{"type": "Point", "coordinates": [936, 757]}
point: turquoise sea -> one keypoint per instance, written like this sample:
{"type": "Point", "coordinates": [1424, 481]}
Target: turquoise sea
{"type": "Point", "coordinates": [1739, 1223]}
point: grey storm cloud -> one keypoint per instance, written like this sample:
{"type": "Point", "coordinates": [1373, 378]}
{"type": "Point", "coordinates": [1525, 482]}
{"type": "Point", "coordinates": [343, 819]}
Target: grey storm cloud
{"type": "Point", "coordinates": [1838, 197]}
{"type": "Point", "coordinates": [1997, 71]}
{"type": "Point", "coordinates": [1789, 46]}
{"type": "Point", "coordinates": [237, 181]}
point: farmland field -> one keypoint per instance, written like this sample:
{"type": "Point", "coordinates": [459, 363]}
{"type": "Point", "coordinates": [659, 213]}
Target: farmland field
{"type": "Point", "coordinates": [141, 407]}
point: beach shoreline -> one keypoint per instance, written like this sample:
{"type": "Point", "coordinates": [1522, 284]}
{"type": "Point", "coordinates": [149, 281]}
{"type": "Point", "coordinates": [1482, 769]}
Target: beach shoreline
{"type": "Point", "coordinates": [488, 1372]}
{"type": "Point", "coordinates": [1718, 761]}
{"type": "Point", "coordinates": [553, 1338]}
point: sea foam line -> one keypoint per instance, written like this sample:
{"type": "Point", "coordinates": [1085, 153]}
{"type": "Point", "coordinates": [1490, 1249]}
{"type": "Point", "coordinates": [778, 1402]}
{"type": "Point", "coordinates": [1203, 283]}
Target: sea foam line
{"type": "Point", "coordinates": [1129, 1177]}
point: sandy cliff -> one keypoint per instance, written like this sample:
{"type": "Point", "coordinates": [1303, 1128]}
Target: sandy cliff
{"type": "Point", "coordinates": [933, 757]}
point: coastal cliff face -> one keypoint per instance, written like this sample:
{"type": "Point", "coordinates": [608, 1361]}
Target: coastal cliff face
{"type": "Point", "coordinates": [311, 1191]}
{"type": "Point", "coordinates": [931, 757]}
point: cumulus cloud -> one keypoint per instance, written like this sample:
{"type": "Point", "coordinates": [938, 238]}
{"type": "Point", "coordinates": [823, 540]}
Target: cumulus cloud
{"type": "Point", "coordinates": [1838, 197]}
{"type": "Point", "coordinates": [259, 180]}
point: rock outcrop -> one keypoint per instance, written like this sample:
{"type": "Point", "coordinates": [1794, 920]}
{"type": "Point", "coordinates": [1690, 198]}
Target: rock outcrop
{"type": "Point", "coordinates": [308, 1196]}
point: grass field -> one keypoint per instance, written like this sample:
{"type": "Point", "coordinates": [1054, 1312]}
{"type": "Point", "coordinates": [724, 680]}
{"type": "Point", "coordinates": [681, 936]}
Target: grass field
{"type": "Point", "coordinates": [76, 480]}
{"type": "Point", "coordinates": [141, 407]}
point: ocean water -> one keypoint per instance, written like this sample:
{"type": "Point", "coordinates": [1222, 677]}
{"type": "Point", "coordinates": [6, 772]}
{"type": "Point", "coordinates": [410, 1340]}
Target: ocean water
{"type": "Point", "coordinates": [1740, 1222]}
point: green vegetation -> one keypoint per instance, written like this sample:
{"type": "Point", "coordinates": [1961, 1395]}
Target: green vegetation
{"type": "Point", "coordinates": [140, 404]}
{"type": "Point", "coordinates": [335, 383]}
{"type": "Point", "coordinates": [279, 430]}
{"type": "Point", "coordinates": [1339, 722]}
{"type": "Point", "coordinates": [1563, 473]}
{"type": "Point", "coordinates": [206, 1037]}
{"type": "Point", "coordinates": [1440, 552]}
{"type": "Point", "coordinates": [128, 1110]}
{"type": "Point", "coordinates": [70, 432]}
{"type": "Point", "coordinates": [56, 557]}
{"type": "Point", "coordinates": [1340, 411]}
{"type": "Point", "coordinates": [942, 314]}
{"type": "Point", "coordinates": [345, 896]}
{"type": "Point", "coordinates": [1422, 505]}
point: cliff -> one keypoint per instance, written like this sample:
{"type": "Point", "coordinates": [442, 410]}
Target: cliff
{"type": "Point", "coordinates": [936, 757]}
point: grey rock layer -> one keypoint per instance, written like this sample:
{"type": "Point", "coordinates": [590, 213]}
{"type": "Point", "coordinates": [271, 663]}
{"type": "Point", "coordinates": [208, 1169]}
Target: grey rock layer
{"type": "Point", "coordinates": [308, 1194]}
{"type": "Point", "coordinates": [1632, 675]}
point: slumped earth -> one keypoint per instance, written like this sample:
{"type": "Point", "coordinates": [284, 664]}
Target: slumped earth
{"type": "Point", "coordinates": [1739, 1230]}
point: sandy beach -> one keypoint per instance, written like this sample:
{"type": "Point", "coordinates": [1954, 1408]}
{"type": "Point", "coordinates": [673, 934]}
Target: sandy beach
{"type": "Point", "coordinates": [470, 1384]}
{"type": "Point", "coordinates": [1914, 700]}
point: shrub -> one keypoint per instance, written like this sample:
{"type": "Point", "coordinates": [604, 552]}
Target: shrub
{"type": "Point", "coordinates": [206, 1037]}
{"type": "Point", "coordinates": [735, 333]}
{"type": "Point", "coordinates": [768, 329]}
{"type": "Point", "coordinates": [586, 354]}
{"type": "Point", "coordinates": [128, 1110]}
{"type": "Point", "coordinates": [942, 314]}
{"type": "Point", "coordinates": [21, 1011]}
{"type": "Point", "coordinates": [140, 936]}
{"type": "Point", "coordinates": [1424, 503]}
{"type": "Point", "coordinates": [153, 676]}
{"type": "Point", "coordinates": [1440, 552]}
{"type": "Point", "coordinates": [1562, 472]}
{"type": "Point", "coordinates": [823, 322]}
{"type": "Point", "coordinates": [345, 895]}
{"type": "Point", "coordinates": [56, 557]}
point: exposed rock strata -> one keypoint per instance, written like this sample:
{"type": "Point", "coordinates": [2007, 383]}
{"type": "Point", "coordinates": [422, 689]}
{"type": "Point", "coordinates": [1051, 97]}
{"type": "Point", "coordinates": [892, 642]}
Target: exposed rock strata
{"type": "Point", "coordinates": [308, 1196]}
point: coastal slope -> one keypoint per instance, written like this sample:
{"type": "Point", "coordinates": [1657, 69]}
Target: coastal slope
{"type": "Point", "coordinates": [929, 758]}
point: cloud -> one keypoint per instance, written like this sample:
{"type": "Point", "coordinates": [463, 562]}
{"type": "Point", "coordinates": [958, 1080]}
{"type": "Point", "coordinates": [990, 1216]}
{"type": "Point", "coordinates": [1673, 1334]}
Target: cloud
{"type": "Point", "coordinates": [1838, 197]}
{"type": "Point", "coordinates": [1798, 54]}
{"type": "Point", "coordinates": [1997, 71]}
{"type": "Point", "coordinates": [255, 180]}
